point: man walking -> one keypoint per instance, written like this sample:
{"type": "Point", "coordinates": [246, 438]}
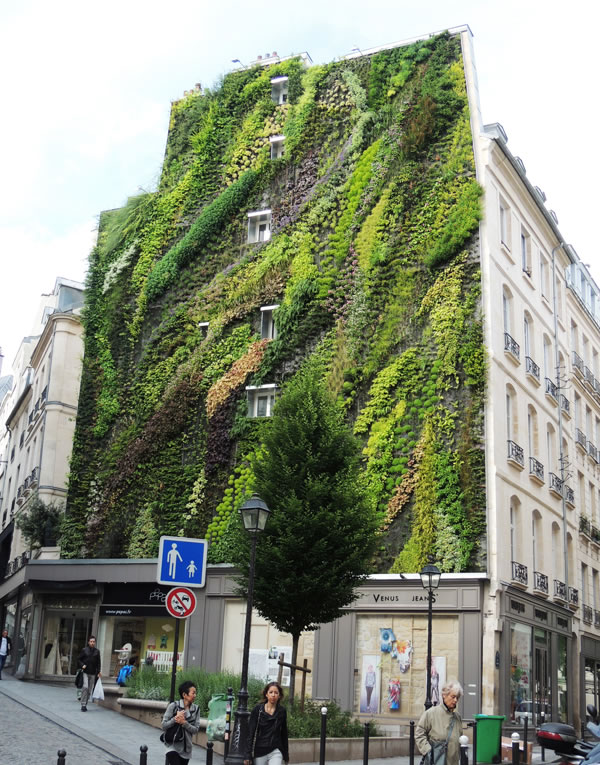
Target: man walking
{"type": "Point", "coordinates": [89, 662]}
{"type": "Point", "coordinates": [5, 648]}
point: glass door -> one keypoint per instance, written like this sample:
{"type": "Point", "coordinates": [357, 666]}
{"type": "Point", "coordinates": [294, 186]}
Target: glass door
{"type": "Point", "coordinates": [542, 707]}
{"type": "Point", "coordinates": [64, 637]}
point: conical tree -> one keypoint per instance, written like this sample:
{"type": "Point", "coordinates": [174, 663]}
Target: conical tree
{"type": "Point", "coordinates": [321, 536]}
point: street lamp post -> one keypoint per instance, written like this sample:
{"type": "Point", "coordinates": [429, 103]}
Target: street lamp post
{"type": "Point", "coordinates": [430, 579]}
{"type": "Point", "coordinates": [254, 514]}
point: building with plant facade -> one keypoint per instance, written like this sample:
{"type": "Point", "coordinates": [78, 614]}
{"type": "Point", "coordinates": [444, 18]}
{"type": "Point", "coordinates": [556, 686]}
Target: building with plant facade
{"type": "Point", "coordinates": [360, 216]}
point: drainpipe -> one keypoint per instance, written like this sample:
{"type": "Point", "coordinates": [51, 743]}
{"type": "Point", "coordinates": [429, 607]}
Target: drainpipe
{"type": "Point", "coordinates": [560, 423]}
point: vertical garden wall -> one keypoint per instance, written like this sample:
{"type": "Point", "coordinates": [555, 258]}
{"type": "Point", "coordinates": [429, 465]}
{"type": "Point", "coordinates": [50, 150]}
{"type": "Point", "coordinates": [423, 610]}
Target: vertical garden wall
{"type": "Point", "coordinates": [373, 261]}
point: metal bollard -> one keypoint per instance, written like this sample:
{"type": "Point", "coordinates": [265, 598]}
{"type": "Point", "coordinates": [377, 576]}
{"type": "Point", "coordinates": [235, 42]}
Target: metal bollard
{"type": "Point", "coordinates": [525, 739]}
{"type": "Point", "coordinates": [143, 754]}
{"type": "Point", "coordinates": [474, 726]}
{"type": "Point", "coordinates": [464, 750]}
{"type": "Point", "coordinates": [516, 752]}
{"type": "Point", "coordinates": [323, 735]}
{"type": "Point", "coordinates": [209, 752]}
{"type": "Point", "coordinates": [61, 757]}
{"type": "Point", "coordinates": [228, 709]}
{"type": "Point", "coordinates": [366, 745]}
{"type": "Point", "coordinates": [411, 743]}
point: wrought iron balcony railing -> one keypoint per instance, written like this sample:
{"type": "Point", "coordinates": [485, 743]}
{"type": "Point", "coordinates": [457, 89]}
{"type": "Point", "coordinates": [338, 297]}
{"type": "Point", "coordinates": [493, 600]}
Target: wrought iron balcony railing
{"type": "Point", "coordinates": [519, 573]}
{"type": "Point", "coordinates": [569, 495]}
{"type": "Point", "coordinates": [587, 613]}
{"type": "Point", "coordinates": [515, 453]}
{"type": "Point", "coordinates": [540, 582]}
{"type": "Point", "coordinates": [585, 527]}
{"type": "Point", "coordinates": [536, 469]}
{"type": "Point", "coordinates": [531, 368]}
{"type": "Point", "coordinates": [551, 389]}
{"type": "Point", "coordinates": [577, 363]}
{"type": "Point", "coordinates": [565, 404]}
{"type": "Point", "coordinates": [573, 597]}
{"type": "Point", "coordinates": [581, 439]}
{"type": "Point", "coordinates": [560, 590]}
{"type": "Point", "coordinates": [512, 347]}
{"type": "Point", "coordinates": [555, 484]}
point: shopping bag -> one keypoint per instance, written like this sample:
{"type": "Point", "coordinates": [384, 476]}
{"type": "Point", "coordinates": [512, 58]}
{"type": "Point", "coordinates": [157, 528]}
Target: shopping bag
{"type": "Point", "coordinates": [79, 679]}
{"type": "Point", "coordinates": [215, 727]}
{"type": "Point", "coordinates": [98, 693]}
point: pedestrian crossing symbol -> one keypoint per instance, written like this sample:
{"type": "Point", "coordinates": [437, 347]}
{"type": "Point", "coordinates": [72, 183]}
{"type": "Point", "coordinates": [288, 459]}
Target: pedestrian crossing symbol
{"type": "Point", "coordinates": [182, 561]}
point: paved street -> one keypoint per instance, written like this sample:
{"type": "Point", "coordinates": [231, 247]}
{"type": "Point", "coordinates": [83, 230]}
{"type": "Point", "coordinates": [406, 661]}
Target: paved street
{"type": "Point", "coordinates": [44, 718]}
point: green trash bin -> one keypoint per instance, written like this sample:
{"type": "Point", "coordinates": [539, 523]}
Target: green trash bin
{"type": "Point", "coordinates": [489, 735]}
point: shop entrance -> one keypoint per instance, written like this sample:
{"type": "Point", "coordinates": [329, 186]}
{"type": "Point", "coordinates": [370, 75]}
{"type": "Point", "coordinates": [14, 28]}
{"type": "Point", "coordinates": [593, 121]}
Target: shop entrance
{"type": "Point", "coordinates": [63, 638]}
{"type": "Point", "coordinates": [542, 678]}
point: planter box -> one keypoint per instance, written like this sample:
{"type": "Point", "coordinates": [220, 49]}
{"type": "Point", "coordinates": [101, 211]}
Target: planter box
{"type": "Point", "coordinates": [301, 749]}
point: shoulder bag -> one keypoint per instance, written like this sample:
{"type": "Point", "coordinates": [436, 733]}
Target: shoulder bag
{"type": "Point", "coordinates": [174, 733]}
{"type": "Point", "coordinates": [437, 754]}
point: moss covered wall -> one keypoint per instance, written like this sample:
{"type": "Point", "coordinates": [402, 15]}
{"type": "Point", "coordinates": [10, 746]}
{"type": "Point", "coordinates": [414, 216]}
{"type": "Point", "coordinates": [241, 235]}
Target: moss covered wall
{"type": "Point", "coordinates": [374, 261]}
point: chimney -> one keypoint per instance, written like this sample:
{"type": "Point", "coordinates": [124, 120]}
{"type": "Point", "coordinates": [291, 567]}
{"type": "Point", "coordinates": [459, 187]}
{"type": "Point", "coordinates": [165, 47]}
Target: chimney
{"type": "Point", "coordinates": [259, 58]}
{"type": "Point", "coordinates": [274, 54]}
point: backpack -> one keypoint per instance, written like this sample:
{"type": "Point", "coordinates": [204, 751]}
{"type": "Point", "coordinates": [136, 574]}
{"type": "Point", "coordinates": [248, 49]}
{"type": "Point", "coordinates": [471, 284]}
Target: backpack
{"type": "Point", "coordinates": [124, 673]}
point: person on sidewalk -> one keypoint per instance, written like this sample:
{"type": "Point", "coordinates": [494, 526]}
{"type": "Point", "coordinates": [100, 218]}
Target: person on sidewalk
{"type": "Point", "coordinates": [442, 724]}
{"type": "Point", "coordinates": [267, 729]}
{"type": "Point", "coordinates": [89, 662]}
{"type": "Point", "coordinates": [5, 649]}
{"type": "Point", "coordinates": [185, 714]}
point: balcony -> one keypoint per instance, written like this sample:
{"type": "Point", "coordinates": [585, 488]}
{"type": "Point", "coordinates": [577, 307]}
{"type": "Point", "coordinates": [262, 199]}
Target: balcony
{"type": "Point", "coordinates": [15, 564]}
{"type": "Point", "coordinates": [540, 582]}
{"type": "Point", "coordinates": [536, 470]}
{"type": "Point", "coordinates": [596, 387]}
{"type": "Point", "coordinates": [587, 612]}
{"type": "Point", "coordinates": [565, 405]}
{"type": "Point", "coordinates": [44, 396]}
{"type": "Point", "coordinates": [512, 348]}
{"type": "Point", "coordinates": [532, 369]}
{"type": "Point", "coordinates": [585, 527]}
{"type": "Point", "coordinates": [589, 377]}
{"type": "Point", "coordinates": [580, 439]}
{"type": "Point", "coordinates": [519, 574]}
{"type": "Point", "coordinates": [555, 484]}
{"type": "Point", "coordinates": [592, 451]}
{"type": "Point", "coordinates": [515, 454]}
{"type": "Point", "coordinates": [573, 598]}
{"type": "Point", "coordinates": [34, 477]}
{"type": "Point", "coordinates": [560, 590]}
{"type": "Point", "coordinates": [20, 495]}
{"type": "Point", "coordinates": [578, 365]}
{"type": "Point", "coordinates": [551, 390]}
{"type": "Point", "coordinates": [595, 534]}
{"type": "Point", "coordinates": [596, 619]}
{"type": "Point", "coordinates": [569, 496]}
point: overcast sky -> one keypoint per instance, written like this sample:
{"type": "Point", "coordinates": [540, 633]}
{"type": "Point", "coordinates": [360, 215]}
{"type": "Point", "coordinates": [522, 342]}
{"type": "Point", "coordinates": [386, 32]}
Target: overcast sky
{"type": "Point", "coordinates": [86, 91]}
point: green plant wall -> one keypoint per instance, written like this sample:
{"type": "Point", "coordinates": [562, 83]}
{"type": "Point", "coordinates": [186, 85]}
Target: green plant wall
{"type": "Point", "coordinates": [373, 260]}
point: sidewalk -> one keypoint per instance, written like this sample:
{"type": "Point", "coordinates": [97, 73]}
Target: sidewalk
{"type": "Point", "coordinates": [119, 736]}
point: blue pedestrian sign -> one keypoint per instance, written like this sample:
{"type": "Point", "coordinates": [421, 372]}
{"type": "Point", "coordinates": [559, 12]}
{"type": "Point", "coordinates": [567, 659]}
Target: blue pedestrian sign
{"type": "Point", "coordinates": [182, 561]}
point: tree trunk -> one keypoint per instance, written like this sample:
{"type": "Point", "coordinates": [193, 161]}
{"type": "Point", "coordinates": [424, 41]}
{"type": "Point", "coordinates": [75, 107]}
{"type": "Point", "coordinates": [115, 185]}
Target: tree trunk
{"type": "Point", "coordinates": [295, 641]}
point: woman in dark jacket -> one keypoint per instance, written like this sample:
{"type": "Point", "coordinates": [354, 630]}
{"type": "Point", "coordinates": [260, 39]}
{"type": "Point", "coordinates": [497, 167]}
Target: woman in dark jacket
{"type": "Point", "coordinates": [268, 734]}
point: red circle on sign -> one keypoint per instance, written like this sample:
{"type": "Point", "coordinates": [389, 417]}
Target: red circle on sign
{"type": "Point", "coordinates": [180, 602]}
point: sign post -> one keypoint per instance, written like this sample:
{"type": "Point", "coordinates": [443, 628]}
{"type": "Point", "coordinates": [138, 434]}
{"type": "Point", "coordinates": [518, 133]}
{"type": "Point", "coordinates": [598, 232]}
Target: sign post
{"type": "Point", "coordinates": [182, 564]}
{"type": "Point", "coordinates": [180, 603]}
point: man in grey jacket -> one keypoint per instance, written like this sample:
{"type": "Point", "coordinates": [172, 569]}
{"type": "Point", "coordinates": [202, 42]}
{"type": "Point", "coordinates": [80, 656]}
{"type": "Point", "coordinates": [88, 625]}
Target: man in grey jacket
{"type": "Point", "coordinates": [89, 662]}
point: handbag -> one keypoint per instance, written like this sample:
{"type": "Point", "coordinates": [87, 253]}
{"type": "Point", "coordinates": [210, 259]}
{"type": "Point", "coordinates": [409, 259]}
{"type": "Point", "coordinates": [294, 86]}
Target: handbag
{"type": "Point", "coordinates": [174, 733]}
{"type": "Point", "coordinates": [437, 754]}
{"type": "Point", "coordinates": [79, 678]}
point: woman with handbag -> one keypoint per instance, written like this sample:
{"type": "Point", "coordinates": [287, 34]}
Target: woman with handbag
{"type": "Point", "coordinates": [268, 734]}
{"type": "Point", "coordinates": [439, 729]}
{"type": "Point", "coordinates": [180, 723]}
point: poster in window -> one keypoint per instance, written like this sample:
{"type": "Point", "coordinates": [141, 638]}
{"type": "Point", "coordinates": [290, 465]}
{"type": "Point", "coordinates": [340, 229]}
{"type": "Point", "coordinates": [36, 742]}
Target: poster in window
{"type": "Point", "coordinates": [438, 678]}
{"type": "Point", "coordinates": [370, 684]}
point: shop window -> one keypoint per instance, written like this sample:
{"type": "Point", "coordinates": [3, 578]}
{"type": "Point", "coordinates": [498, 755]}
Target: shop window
{"type": "Point", "coordinates": [268, 330]}
{"type": "Point", "coordinates": [261, 400]}
{"type": "Point", "coordinates": [63, 639]}
{"type": "Point", "coordinates": [279, 89]}
{"type": "Point", "coordinates": [520, 671]}
{"type": "Point", "coordinates": [277, 144]}
{"type": "Point", "coordinates": [259, 226]}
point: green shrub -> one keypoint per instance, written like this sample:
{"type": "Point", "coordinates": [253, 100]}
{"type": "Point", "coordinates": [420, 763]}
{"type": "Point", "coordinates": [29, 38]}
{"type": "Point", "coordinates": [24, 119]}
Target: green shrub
{"type": "Point", "coordinates": [340, 724]}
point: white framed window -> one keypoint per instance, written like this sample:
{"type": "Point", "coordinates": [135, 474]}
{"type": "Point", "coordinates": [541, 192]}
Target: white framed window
{"type": "Point", "coordinates": [277, 143]}
{"type": "Point", "coordinates": [268, 330]}
{"type": "Point", "coordinates": [203, 328]}
{"type": "Point", "coordinates": [525, 252]}
{"type": "Point", "coordinates": [279, 89]}
{"type": "Point", "coordinates": [261, 400]}
{"type": "Point", "coordinates": [544, 276]}
{"type": "Point", "coordinates": [505, 227]}
{"type": "Point", "coordinates": [259, 226]}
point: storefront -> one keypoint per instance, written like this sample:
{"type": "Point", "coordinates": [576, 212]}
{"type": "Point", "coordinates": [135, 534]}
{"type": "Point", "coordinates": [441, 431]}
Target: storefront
{"type": "Point", "coordinates": [373, 659]}
{"type": "Point", "coordinates": [536, 649]}
{"type": "Point", "coordinates": [590, 669]}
